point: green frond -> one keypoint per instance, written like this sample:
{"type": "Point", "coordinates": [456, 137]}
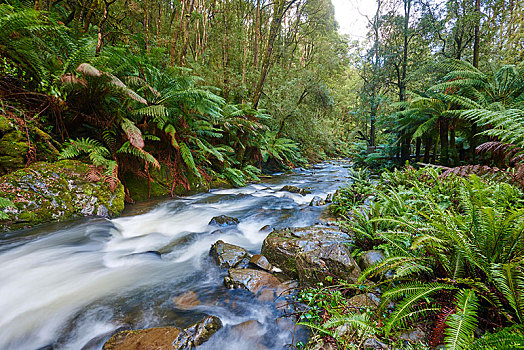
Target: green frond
{"type": "Point", "coordinates": [412, 294]}
{"type": "Point", "coordinates": [463, 323]}
{"type": "Point", "coordinates": [187, 157]}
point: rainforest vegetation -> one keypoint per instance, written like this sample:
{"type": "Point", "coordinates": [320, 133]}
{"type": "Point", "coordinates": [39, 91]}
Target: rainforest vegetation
{"type": "Point", "coordinates": [186, 94]}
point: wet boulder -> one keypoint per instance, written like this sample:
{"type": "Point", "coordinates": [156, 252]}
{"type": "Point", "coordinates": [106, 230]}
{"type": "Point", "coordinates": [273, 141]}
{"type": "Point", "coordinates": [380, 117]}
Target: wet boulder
{"type": "Point", "coordinates": [295, 189]}
{"type": "Point", "coordinates": [317, 202]}
{"type": "Point", "coordinates": [159, 338]}
{"type": "Point", "coordinates": [253, 280]}
{"type": "Point", "coordinates": [334, 260]}
{"type": "Point", "coordinates": [223, 220]}
{"type": "Point", "coordinates": [370, 258]}
{"type": "Point", "coordinates": [228, 255]}
{"type": "Point", "coordinates": [281, 247]}
{"type": "Point", "coordinates": [197, 334]}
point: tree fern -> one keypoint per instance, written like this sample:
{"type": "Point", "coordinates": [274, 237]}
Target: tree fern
{"type": "Point", "coordinates": [128, 148]}
{"type": "Point", "coordinates": [185, 152]}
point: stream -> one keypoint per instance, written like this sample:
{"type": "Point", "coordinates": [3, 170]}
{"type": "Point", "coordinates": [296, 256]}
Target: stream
{"type": "Point", "coordinates": [70, 285]}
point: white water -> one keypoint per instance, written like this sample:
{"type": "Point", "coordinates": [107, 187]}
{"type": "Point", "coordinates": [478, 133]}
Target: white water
{"type": "Point", "coordinates": [66, 287]}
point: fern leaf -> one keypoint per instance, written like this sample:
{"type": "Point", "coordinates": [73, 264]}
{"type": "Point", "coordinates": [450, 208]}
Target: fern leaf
{"type": "Point", "coordinates": [463, 323]}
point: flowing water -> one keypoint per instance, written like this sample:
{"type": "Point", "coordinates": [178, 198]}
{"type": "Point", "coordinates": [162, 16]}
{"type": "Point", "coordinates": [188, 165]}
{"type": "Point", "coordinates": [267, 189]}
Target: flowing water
{"type": "Point", "coordinates": [70, 285]}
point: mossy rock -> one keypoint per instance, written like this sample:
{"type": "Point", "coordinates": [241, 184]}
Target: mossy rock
{"type": "Point", "coordinates": [13, 148]}
{"type": "Point", "coordinates": [56, 191]}
{"type": "Point", "coordinates": [141, 188]}
{"type": "Point", "coordinates": [281, 247]}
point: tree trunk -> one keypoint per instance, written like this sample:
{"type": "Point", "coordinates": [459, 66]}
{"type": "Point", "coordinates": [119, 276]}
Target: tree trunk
{"type": "Point", "coordinates": [444, 145]}
{"type": "Point", "coordinates": [417, 149]}
{"type": "Point", "coordinates": [427, 149]}
{"type": "Point", "coordinates": [281, 6]}
{"type": "Point", "coordinates": [476, 56]}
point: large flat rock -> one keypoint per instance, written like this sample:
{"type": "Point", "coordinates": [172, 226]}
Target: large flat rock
{"type": "Point", "coordinates": [281, 247]}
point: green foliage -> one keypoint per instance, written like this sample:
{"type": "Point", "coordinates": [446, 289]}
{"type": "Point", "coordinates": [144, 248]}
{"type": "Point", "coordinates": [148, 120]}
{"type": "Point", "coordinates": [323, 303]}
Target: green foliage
{"type": "Point", "coordinates": [453, 253]}
{"type": "Point", "coordinates": [5, 203]}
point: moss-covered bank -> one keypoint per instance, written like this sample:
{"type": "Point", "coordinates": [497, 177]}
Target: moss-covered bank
{"type": "Point", "coordinates": [46, 192]}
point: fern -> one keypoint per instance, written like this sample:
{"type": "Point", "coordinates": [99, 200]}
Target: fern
{"type": "Point", "coordinates": [463, 323]}
{"type": "Point", "coordinates": [128, 148]}
{"type": "Point", "coordinates": [5, 203]}
{"type": "Point", "coordinates": [509, 279]}
{"type": "Point", "coordinates": [185, 152]}
{"type": "Point", "coordinates": [412, 294]}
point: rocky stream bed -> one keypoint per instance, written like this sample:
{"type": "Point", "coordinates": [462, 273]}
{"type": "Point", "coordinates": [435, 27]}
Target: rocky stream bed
{"type": "Point", "coordinates": [215, 270]}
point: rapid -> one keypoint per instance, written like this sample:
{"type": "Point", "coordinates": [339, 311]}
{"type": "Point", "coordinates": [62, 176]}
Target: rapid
{"type": "Point", "coordinates": [70, 285]}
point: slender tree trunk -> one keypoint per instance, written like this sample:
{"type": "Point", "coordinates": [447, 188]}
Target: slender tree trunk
{"type": "Point", "coordinates": [406, 143]}
{"type": "Point", "coordinates": [427, 149]}
{"type": "Point", "coordinates": [186, 31]}
{"type": "Point", "coordinates": [476, 56]}
{"type": "Point", "coordinates": [444, 144]}
{"type": "Point", "coordinates": [418, 145]}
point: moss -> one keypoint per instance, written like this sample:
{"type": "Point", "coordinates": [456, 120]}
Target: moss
{"type": "Point", "coordinates": [57, 191]}
{"type": "Point", "coordinates": [5, 124]}
{"type": "Point", "coordinates": [13, 148]}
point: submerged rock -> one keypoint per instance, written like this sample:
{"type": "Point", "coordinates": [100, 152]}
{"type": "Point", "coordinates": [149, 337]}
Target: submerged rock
{"type": "Point", "coordinates": [295, 189]}
{"type": "Point", "coordinates": [335, 260]}
{"type": "Point", "coordinates": [253, 280]}
{"type": "Point", "coordinates": [197, 334]}
{"type": "Point", "coordinates": [228, 255]}
{"type": "Point", "coordinates": [56, 191]}
{"type": "Point", "coordinates": [281, 247]}
{"type": "Point", "coordinates": [224, 220]}
{"type": "Point", "coordinates": [186, 301]}
{"type": "Point", "coordinates": [251, 329]}
{"type": "Point", "coordinates": [159, 338]}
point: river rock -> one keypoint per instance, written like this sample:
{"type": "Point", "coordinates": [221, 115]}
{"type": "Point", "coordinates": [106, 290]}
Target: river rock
{"type": "Point", "coordinates": [266, 228]}
{"type": "Point", "coordinates": [365, 301]}
{"type": "Point", "coordinates": [335, 260]}
{"type": "Point", "coordinates": [186, 301]}
{"type": "Point", "coordinates": [317, 202]}
{"type": "Point", "coordinates": [197, 334]}
{"type": "Point", "coordinates": [370, 258]}
{"type": "Point", "coordinates": [228, 255]}
{"type": "Point", "coordinates": [159, 338]}
{"type": "Point", "coordinates": [96, 342]}
{"type": "Point", "coordinates": [282, 246]}
{"type": "Point", "coordinates": [251, 329]}
{"type": "Point", "coordinates": [372, 343]}
{"type": "Point", "coordinates": [56, 191]}
{"type": "Point", "coordinates": [414, 336]}
{"type": "Point", "coordinates": [253, 280]}
{"type": "Point", "coordinates": [295, 189]}
{"type": "Point", "coordinates": [261, 262]}
{"type": "Point", "coordinates": [223, 220]}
